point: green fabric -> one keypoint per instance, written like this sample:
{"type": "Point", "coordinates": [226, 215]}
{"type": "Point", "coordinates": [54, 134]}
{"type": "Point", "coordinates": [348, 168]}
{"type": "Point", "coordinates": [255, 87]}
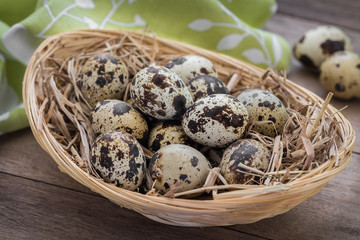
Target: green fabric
{"type": "Point", "coordinates": [232, 27]}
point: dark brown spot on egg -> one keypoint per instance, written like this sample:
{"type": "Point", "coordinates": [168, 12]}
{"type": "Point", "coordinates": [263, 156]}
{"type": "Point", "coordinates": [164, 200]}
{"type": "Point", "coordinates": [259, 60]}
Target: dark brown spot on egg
{"type": "Point", "coordinates": [307, 61]}
{"type": "Point", "coordinates": [89, 73]}
{"type": "Point", "coordinates": [260, 118]}
{"type": "Point", "coordinates": [267, 104]}
{"type": "Point", "coordinates": [101, 81]}
{"type": "Point", "coordinates": [156, 144]}
{"type": "Point", "coordinates": [179, 104]}
{"type": "Point", "coordinates": [101, 70]}
{"type": "Point", "coordinates": [330, 46]}
{"type": "Point", "coordinates": [271, 118]}
{"type": "Point", "coordinates": [194, 127]}
{"type": "Point", "coordinates": [177, 61]}
{"type": "Point", "coordinates": [339, 87]}
{"type": "Point", "coordinates": [194, 161]}
{"type": "Point", "coordinates": [224, 115]}
{"type": "Point", "coordinates": [161, 113]}
{"type": "Point", "coordinates": [105, 160]}
{"type": "Point", "coordinates": [159, 80]}
{"type": "Point", "coordinates": [166, 185]}
{"type": "Point", "coordinates": [121, 78]}
{"type": "Point", "coordinates": [183, 177]}
{"type": "Point", "coordinates": [132, 171]}
{"type": "Point", "coordinates": [204, 70]}
{"type": "Point", "coordinates": [121, 108]}
{"type": "Point", "coordinates": [358, 66]}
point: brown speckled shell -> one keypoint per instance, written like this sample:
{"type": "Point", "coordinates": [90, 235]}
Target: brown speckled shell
{"type": "Point", "coordinates": [165, 133]}
{"type": "Point", "coordinates": [190, 66]}
{"type": "Point", "coordinates": [340, 74]}
{"type": "Point", "coordinates": [103, 77]}
{"type": "Point", "coordinates": [160, 93]}
{"type": "Point", "coordinates": [249, 152]}
{"type": "Point", "coordinates": [119, 159]}
{"type": "Point", "coordinates": [177, 162]}
{"type": "Point", "coordinates": [115, 114]}
{"type": "Point", "coordinates": [262, 105]}
{"type": "Point", "coordinates": [216, 120]}
{"type": "Point", "coordinates": [205, 85]}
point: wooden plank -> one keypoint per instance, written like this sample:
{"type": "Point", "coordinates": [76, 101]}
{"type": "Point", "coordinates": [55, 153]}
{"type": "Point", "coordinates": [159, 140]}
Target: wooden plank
{"type": "Point", "coordinates": [34, 210]}
{"type": "Point", "coordinates": [340, 13]}
{"type": "Point", "coordinates": [21, 155]}
{"type": "Point", "coordinates": [292, 29]}
{"type": "Point", "coordinates": [333, 213]}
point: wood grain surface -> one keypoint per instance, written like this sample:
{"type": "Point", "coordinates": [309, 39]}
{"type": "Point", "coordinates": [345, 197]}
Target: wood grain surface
{"type": "Point", "coordinates": [38, 201]}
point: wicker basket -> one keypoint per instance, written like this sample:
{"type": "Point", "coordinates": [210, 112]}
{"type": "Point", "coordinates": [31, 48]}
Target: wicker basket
{"type": "Point", "coordinates": [61, 126]}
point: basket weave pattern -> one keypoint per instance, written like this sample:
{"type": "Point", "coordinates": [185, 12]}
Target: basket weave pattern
{"type": "Point", "coordinates": [58, 119]}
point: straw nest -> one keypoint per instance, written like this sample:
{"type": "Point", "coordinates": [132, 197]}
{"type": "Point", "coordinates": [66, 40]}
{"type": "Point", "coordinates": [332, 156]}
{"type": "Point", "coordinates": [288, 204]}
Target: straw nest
{"type": "Point", "coordinates": [315, 146]}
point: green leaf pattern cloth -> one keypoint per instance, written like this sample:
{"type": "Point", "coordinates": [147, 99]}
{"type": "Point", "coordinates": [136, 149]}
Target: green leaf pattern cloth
{"type": "Point", "coordinates": [232, 27]}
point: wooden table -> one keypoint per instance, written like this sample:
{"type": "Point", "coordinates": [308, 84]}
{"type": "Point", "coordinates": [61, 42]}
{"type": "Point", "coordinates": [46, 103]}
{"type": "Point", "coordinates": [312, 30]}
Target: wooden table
{"type": "Point", "coordinates": [37, 201]}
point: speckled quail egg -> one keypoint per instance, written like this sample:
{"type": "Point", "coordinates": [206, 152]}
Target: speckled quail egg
{"type": "Point", "coordinates": [318, 43]}
{"type": "Point", "coordinates": [216, 120]}
{"type": "Point", "coordinates": [160, 93]}
{"type": "Point", "coordinates": [263, 106]}
{"type": "Point", "coordinates": [103, 77]}
{"type": "Point", "coordinates": [340, 74]}
{"type": "Point", "coordinates": [190, 66]}
{"type": "Point", "coordinates": [249, 152]}
{"type": "Point", "coordinates": [115, 114]}
{"type": "Point", "coordinates": [119, 159]}
{"type": "Point", "coordinates": [205, 85]}
{"type": "Point", "coordinates": [166, 133]}
{"type": "Point", "coordinates": [177, 162]}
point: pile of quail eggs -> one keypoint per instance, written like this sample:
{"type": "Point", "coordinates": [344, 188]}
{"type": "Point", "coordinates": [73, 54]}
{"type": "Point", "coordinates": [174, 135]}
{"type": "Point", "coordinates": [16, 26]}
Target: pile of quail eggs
{"type": "Point", "coordinates": [174, 111]}
{"type": "Point", "coordinates": [328, 49]}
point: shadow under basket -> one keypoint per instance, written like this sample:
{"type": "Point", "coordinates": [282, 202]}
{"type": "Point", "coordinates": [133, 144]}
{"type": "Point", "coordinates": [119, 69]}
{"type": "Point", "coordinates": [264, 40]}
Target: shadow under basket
{"type": "Point", "coordinates": [314, 147]}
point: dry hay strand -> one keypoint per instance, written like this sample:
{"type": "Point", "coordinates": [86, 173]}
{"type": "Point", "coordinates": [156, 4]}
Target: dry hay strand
{"type": "Point", "coordinates": [315, 145]}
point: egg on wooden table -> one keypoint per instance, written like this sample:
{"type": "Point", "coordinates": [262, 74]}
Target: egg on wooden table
{"type": "Point", "coordinates": [340, 74]}
{"type": "Point", "coordinates": [319, 43]}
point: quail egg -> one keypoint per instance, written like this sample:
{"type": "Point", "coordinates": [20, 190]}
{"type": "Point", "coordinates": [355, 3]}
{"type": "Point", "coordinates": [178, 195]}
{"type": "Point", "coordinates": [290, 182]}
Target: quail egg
{"type": "Point", "coordinates": [177, 162]}
{"type": "Point", "coordinates": [115, 114]}
{"type": "Point", "coordinates": [166, 133]}
{"type": "Point", "coordinates": [266, 111]}
{"type": "Point", "coordinates": [205, 85]}
{"type": "Point", "coordinates": [160, 93]}
{"type": "Point", "coordinates": [190, 66]}
{"type": "Point", "coordinates": [216, 120]}
{"type": "Point", "coordinates": [119, 159]}
{"type": "Point", "coordinates": [340, 74]}
{"type": "Point", "coordinates": [248, 152]}
{"type": "Point", "coordinates": [318, 43]}
{"type": "Point", "coordinates": [103, 77]}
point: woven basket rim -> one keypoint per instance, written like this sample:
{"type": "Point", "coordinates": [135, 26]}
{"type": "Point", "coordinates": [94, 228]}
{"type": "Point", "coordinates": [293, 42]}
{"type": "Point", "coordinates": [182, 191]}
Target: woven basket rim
{"type": "Point", "coordinates": [174, 206]}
